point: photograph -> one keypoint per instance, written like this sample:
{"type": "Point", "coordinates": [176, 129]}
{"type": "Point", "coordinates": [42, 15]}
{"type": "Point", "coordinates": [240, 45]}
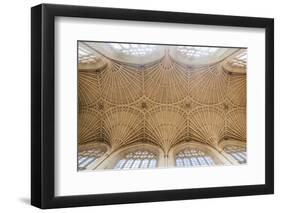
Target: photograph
{"type": "Point", "coordinates": [149, 106]}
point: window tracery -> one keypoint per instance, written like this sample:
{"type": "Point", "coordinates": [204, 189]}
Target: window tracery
{"type": "Point", "coordinates": [86, 157]}
{"type": "Point", "coordinates": [196, 52]}
{"type": "Point", "coordinates": [86, 54]}
{"type": "Point", "coordinates": [134, 49]}
{"type": "Point", "coordinates": [237, 152]}
{"type": "Point", "coordinates": [137, 160]}
{"type": "Point", "coordinates": [190, 157]}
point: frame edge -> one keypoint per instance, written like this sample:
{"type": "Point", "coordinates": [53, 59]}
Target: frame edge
{"type": "Point", "coordinates": [269, 105]}
{"type": "Point", "coordinates": [36, 85]}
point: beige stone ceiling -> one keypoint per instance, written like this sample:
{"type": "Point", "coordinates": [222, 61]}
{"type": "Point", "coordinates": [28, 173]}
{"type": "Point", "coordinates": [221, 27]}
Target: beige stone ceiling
{"type": "Point", "coordinates": [163, 102]}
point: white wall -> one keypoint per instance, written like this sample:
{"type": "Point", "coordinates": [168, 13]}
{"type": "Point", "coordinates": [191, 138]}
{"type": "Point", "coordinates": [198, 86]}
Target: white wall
{"type": "Point", "coordinates": [15, 105]}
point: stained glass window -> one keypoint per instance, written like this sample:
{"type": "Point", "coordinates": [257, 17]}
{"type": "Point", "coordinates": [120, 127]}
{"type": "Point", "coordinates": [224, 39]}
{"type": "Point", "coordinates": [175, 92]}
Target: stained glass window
{"type": "Point", "coordinates": [197, 51]}
{"type": "Point", "coordinates": [193, 157]}
{"type": "Point", "coordinates": [237, 152]}
{"type": "Point", "coordinates": [85, 158]}
{"type": "Point", "coordinates": [137, 159]}
{"type": "Point", "coordinates": [86, 54]}
{"type": "Point", "coordinates": [134, 49]}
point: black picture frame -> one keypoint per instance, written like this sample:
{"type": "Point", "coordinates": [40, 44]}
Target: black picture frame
{"type": "Point", "coordinates": [43, 105]}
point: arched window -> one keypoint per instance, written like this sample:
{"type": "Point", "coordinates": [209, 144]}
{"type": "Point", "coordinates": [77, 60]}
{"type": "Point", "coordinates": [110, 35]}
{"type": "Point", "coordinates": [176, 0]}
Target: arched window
{"type": "Point", "coordinates": [237, 152]}
{"type": "Point", "coordinates": [86, 157]}
{"type": "Point", "coordinates": [134, 49]}
{"type": "Point", "coordinates": [193, 157]}
{"type": "Point", "coordinates": [196, 52]}
{"type": "Point", "coordinates": [137, 160]}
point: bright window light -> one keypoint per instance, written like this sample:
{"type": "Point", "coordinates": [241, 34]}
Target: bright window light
{"type": "Point", "coordinates": [193, 157]}
{"type": "Point", "coordinates": [237, 152]}
{"type": "Point", "coordinates": [85, 158]}
{"type": "Point", "coordinates": [240, 60]}
{"type": "Point", "coordinates": [196, 52]}
{"type": "Point", "coordinates": [136, 160]}
{"type": "Point", "coordinates": [134, 49]}
{"type": "Point", "coordinates": [86, 54]}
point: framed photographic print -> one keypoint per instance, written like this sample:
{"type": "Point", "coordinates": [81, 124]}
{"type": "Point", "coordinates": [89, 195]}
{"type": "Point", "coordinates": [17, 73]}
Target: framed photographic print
{"type": "Point", "coordinates": [139, 106]}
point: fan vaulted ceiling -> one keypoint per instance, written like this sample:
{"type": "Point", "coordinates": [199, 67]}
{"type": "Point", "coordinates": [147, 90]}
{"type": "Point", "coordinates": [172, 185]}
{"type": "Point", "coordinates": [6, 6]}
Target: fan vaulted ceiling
{"type": "Point", "coordinates": [137, 93]}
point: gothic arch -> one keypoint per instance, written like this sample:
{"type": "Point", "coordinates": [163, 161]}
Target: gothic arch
{"type": "Point", "coordinates": [205, 148]}
{"type": "Point", "coordinates": [119, 153]}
